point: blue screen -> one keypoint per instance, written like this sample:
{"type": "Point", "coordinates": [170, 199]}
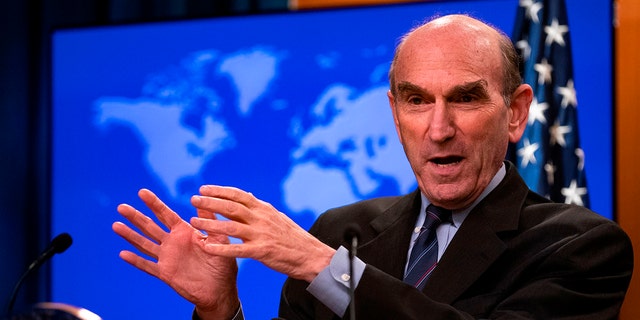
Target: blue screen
{"type": "Point", "coordinates": [291, 107]}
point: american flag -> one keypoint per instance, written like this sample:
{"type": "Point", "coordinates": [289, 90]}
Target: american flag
{"type": "Point", "coordinates": [549, 156]}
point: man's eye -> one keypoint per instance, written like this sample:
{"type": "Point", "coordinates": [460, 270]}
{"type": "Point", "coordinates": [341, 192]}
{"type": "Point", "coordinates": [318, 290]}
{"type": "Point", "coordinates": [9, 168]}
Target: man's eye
{"type": "Point", "coordinates": [467, 98]}
{"type": "Point", "coordinates": [415, 100]}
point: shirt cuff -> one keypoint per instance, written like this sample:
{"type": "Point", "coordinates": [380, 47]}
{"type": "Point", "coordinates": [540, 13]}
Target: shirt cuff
{"type": "Point", "coordinates": [331, 286]}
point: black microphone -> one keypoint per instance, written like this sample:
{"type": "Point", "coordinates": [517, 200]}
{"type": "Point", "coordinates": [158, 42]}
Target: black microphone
{"type": "Point", "coordinates": [351, 236]}
{"type": "Point", "coordinates": [58, 245]}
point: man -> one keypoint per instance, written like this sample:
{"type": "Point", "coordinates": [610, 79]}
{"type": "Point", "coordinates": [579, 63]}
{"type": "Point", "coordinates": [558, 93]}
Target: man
{"type": "Point", "coordinates": [505, 252]}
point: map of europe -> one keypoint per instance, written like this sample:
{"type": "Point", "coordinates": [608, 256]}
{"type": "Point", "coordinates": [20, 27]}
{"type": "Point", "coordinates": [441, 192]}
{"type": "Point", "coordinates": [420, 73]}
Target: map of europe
{"type": "Point", "coordinates": [348, 154]}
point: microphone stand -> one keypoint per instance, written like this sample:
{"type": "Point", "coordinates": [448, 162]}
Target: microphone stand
{"type": "Point", "coordinates": [351, 236]}
{"type": "Point", "coordinates": [352, 285]}
{"type": "Point", "coordinates": [58, 245]}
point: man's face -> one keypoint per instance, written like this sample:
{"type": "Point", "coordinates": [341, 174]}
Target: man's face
{"type": "Point", "coordinates": [449, 113]}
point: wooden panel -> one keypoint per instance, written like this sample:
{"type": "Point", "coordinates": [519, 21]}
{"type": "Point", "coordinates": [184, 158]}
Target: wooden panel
{"type": "Point", "coordinates": [628, 137]}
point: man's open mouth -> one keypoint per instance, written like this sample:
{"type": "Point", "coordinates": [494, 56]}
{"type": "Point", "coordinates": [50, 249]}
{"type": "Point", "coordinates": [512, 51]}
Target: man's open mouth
{"type": "Point", "coordinates": [447, 160]}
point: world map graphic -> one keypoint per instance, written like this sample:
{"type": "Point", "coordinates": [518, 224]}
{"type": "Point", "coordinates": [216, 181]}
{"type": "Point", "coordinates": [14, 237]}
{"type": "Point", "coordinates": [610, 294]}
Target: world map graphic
{"type": "Point", "coordinates": [291, 107]}
{"type": "Point", "coordinates": [339, 149]}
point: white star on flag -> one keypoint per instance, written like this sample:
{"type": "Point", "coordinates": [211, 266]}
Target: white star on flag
{"type": "Point", "coordinates": [524, 46]}
{"type": "Point", "coordinates": [568, 94]}
{"type": "Point", "coordinates": [527, 152]}
{"type": "Point", "coordinates": [532, 9]}
{"type": "Point", "coordinates": [573, 194]}
{"type": "Point", "coordinates": [536, 112]}
{"type": "Point", "coordinates": [544, 71]}
{"type": "Point", "coordinates": [557, 134]}
{"type": "Point", "coordinates": [555, 33]}
{"type": "Point", "coordinates": [550, 169]}
{"type": "Point", "coordinates": [580, 155]}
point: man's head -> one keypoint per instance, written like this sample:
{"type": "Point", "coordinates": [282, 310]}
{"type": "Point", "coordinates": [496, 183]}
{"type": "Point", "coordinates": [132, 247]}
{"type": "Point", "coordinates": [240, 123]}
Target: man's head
{"type": "Point", "coordinates": [457, 101]}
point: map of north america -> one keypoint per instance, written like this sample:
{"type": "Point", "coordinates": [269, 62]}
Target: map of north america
{"type": "Point", "coordinates": [348, 152]}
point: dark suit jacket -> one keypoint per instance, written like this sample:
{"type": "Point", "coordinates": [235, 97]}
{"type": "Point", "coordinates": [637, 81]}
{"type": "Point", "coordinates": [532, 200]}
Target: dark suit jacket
{"type": "Point", "coordinates": [516, 256]}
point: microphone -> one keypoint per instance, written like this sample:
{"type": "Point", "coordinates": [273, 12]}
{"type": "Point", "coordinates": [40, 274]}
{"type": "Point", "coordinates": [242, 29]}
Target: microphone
{"type": "Point", "coordinates": [59, 244]}
{"type": "Point", "coordinates": [351, 236]}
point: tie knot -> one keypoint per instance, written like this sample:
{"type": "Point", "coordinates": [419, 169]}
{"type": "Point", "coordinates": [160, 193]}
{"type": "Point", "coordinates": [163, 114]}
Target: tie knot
{"type": "Point", "coordinates": [436, 216]}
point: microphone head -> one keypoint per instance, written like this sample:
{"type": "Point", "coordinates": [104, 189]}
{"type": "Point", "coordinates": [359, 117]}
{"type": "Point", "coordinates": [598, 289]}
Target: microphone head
{"type": "Point", "coordinates": [61, 243]}
{"type": "Point", "coordinates": [351, 231]}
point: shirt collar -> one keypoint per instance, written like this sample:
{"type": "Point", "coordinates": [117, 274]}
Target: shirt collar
{"type": "Point", "coordinates": [458, 216]}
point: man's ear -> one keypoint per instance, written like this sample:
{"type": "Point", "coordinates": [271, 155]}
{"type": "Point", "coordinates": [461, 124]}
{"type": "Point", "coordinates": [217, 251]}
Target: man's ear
{"type": "Point", "coordinates": [519, 111]}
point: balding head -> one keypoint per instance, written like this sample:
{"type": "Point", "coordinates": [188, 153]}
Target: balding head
{"type": "Point", "coordinates": [464, 32]}
{"type": "Point", "coordinates": [456, 106]}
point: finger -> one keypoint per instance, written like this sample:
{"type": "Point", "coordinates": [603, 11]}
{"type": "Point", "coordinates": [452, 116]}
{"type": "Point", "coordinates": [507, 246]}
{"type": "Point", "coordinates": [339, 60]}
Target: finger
{"type": "Point", "coordinates": [210, 237]}
{"type": "Point", "coordinates": [139, 262]}
{"type": "Point", "coordinates": [141, 243]}
{"type": "Point", "coordinates": [227, 228]}
{"type": "Point", "coordinates": [227, 208]}
{"type": "Point", "coordinates": [228, 250]}
{"type": "Point", "coordinates": [204, 213]}
{"type": "Point", "coordinates": [209, 215]}
{"type": "Point", "coordinates": [230, 193]}
{"type": "Point", "coordinates": [167, 216]}
{"type": "Point", "coordinates": [142, 222]}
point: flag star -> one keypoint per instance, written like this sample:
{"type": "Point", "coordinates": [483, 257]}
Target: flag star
{"type": "Point", "coordinates": [544, 71]}
{"type": "Point", "coordinates": [568, 94]}
{"type": "Point", "coordinates": [527, 153]}
{"type": "Point", "coordinates": [532, 8]}
{"type": "Point", "coordinates": [536, 112]}
{"type": "Point", "coordinates": [555, 32]}
{"type": "Point", "coordinates": [573, 194]}
{"type": "Point", "coordinates": [550, 169]}
{"type": "Point", "coordinates": [525, 48]}
{"type": "Point", "coordinates": [580, 154]}
{"type": "Point", "coordinates": [557, 134]}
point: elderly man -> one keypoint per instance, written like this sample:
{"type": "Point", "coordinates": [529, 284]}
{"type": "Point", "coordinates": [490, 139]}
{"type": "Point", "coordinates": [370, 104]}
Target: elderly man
{"type": "Point", "coordinates": [496, 250]}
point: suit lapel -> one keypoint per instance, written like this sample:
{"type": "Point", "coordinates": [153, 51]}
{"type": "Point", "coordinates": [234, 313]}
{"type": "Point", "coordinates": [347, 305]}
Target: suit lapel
{"type": "Point", "coordinates": [477, 244]}
{"type": "Point", "coordinates": [386, 248]}
{"type": "Point", "coordinates": [475, 247]}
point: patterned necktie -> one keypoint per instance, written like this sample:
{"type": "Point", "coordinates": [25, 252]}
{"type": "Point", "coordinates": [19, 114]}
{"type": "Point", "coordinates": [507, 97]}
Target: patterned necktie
{"type": "Point", "coordinates": [424, 255]}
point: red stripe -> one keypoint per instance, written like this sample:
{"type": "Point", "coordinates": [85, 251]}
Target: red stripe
{"type": "Point", "coordinates": [424, 276]}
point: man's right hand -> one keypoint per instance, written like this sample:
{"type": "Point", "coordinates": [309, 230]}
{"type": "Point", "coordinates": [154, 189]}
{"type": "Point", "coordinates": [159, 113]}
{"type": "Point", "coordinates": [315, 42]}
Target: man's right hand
{"type": "Point", "coordinates": [206, 280]}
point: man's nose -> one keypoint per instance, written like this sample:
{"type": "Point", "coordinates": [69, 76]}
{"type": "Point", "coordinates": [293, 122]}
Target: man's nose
{"type": "Point", "coordinates": [442, 126]}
